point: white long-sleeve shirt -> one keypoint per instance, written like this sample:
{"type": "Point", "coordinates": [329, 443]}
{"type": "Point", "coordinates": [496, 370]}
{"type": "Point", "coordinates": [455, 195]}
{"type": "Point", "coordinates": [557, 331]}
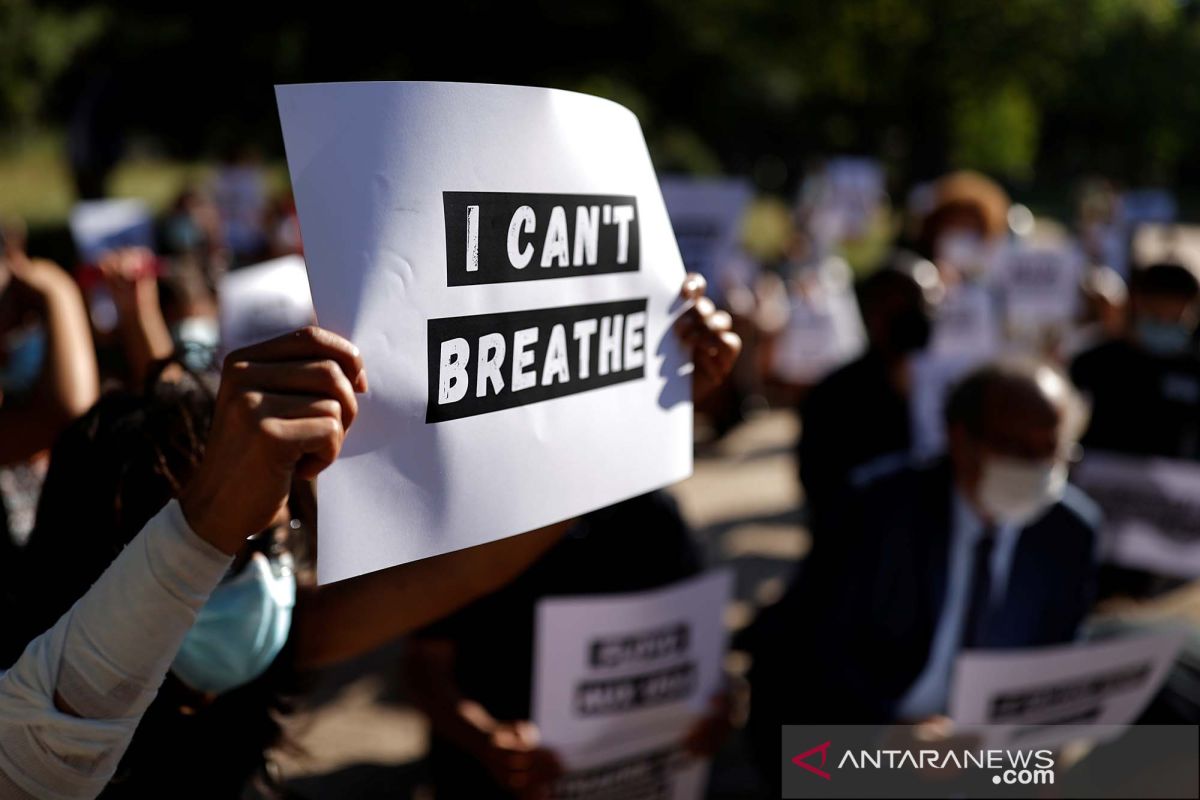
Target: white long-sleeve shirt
{"type": "Point", "coordinates": [106, 658]}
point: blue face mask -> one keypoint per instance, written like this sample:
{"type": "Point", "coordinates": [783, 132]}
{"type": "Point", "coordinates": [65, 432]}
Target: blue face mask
{"type": "Point", "coordinates": [1163, 338]}
{"type": "Point", "coordinates": [241, 628]}
{"type": "Point", "coordinates": [26, 352]}
{"type": "Point", "coordinates": [196, 339]}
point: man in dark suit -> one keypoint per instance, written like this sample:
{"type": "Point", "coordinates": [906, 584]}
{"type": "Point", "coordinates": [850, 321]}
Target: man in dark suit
{"type": "Point", "coordinates": [989, 548]}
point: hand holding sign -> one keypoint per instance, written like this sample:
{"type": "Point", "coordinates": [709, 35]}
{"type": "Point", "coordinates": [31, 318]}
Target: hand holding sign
{"type": "Point", "coordinates": [283, 410]}
{"type": "Point", "coordinates": [708, 333]}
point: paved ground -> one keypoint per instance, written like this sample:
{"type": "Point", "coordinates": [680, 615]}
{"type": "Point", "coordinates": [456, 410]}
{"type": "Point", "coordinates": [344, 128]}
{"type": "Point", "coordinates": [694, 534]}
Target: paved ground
{"type": "Point", "coordinates": [361, 737]}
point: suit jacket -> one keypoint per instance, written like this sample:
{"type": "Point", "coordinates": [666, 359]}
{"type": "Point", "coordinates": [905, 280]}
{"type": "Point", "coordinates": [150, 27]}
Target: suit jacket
{"type": "Point", "coordinates": [855, 629]}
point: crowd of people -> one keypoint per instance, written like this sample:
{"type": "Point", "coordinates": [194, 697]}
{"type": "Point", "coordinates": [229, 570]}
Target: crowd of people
{"type": "Point", "coordinates": [158, 536]}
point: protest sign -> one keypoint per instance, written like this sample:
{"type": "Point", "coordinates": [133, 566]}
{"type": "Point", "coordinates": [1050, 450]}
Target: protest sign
{"type": "Point", "coordinates": [839, 201]}
{"type": "Point", "coordinates": [636, 769]}
{"type": "Point", "coordinates": [1096, 683]}
{"type": "Point", "coordinates": [706, 214]}
{"type": "Point", "coordinates": [1040, 283]}
{"type": "Point", "coordinates": [824, 328]}
{"type": "Point", "coordinates": [1151, 510]}
{"type": "Point", "coordinates": [262, 301]}
{"type": "Point", "coordinates": [503, 259]}
{"type": "Point", "coordinates": [1179, 244]}
{"type": "Point", "coordinates": [101, 225]}
{"type": "Point", "coordinates": [967, 324]}
{"type": "Point", "coordinates": [609, 668]}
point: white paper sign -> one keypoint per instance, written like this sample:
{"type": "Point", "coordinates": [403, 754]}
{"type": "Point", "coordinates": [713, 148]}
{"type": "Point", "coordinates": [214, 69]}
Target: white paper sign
{"type": "Point", "coordinates": [1100, 683]}
{"type": "Point", "coordinates": [966, 323]}
{"type": "Point", "coordinates": [1040, 283]}
{"type": "Point", "coordinates": [503, 259]}
{"type": "Point", "coordinates": [656, 768]}
{"type": "Point", "coordinates": [98, 226]}
{"type": "Point", "coordinates": [1178, 244]}
{"type": "Point", "coordinates": [610, 668]}
{"type": "Point", "coordinates": [706, 214]}
{"type": "Point", "coordinates": [1151, 510]}
{"type": "Point", "coordinates": [262, 301]}
{"type": "Point", "coordinates": [824, 328]}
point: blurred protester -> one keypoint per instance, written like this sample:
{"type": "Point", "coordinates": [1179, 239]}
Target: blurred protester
{"type": "Point", "coordinates": [471, 673]}
{"type": "Point", "coordinates": [1104, 312]}
{"type": "Point", "coordinates": [48, 376]}
{"type": "Point", "coordinates": [131, 274]}
{"type": "Point", "coordinates": [860, 412]}
{"type": "Point", "coordinates": [1144, 389]}
{"type": "Point", "coordinates": [189, 309]}
{"type": "Point", "coordinates": [193, 231]}
{"type": "Point", "coordinates": [988, 548]}
{"type": "Point", "coordinates": [240, 192]}
{"type": "Point", "coordinates": [283, 227]}
{"type": "Point", "coordinates": [968, 216]}
{"type": "Point", "coordinates": [236, 463]}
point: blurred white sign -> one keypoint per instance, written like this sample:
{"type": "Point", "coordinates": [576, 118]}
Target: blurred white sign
{"type": "Point", "coordinates": [1040, 283]}
{"type": "Point", "coordinates": [706, 215]}
{"type": "Point", "coordinates": [1096, 683]}
{"type": "Point", "coordinates": [1151, 510]}
{"type": "Point", "coordinates": [824, 329]}
{"type": "Point", "coordinates": [262, 301]}
{"type": "Point", "coordinates": [98, 226]}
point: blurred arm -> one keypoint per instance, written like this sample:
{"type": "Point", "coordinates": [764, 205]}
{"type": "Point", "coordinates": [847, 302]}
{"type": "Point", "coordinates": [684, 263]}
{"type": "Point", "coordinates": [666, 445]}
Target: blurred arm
{"type": "Point", "coordinates": [351, 617]}
{"type": "Point", "coordinates": [69, 382]}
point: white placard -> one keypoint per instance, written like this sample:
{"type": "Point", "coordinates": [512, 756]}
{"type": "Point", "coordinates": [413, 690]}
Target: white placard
{"type": "Point", "coordinates": [1040, 283]}
{"type": "Point", "coordinates": [1179, 244]}
{"type": "Point", "coordinates": [966, 324]}
{"type": "Point", "coordinates": [98, 226]}
{"type": "Point", "coordinates": [706, 214]}
{"type": "Point", "coordinates": [824, 328]}
{"type": "Point", "coordinates": [443, 224]}
{"type": "Point", "coordinates": [639, 768]}
{"type": "Point", "coordinates": [840, 201]}
{"type": "Point", "coordinates": [262, 301]}
{"type": "Point", "coordinates": [1151, 510]}
{"type": "Point", "coordinates": [1099, 683]}
{"type": "Point", "coordinates": [610, 668]}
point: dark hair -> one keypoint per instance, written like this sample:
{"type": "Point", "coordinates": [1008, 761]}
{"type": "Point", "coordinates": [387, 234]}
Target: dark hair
{"type": "Point", "coordinates": [882, 285]}
{"type": "Point", "coordinates": [1165, 278]}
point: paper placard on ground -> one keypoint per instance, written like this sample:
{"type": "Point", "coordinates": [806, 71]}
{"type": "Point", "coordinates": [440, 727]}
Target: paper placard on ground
{"type": "Point", "coordinates": [706, 215]}
{"type": "Point", "coordinates": [635, 665]}
{"type": "Point", "coordinates": [101, 225]}
{"type": "Point", "coordinates": [824, 328]}
{"type": "Point", "coordinates": [635, 769]}
{"type": "Point", "coordinates": [1151, 510]}
{"type": "Point", "coordinates": [1095, 683]}
{"type": "Point", "coordinates": [262, 301]}
{"type": "Point", "coordinates": [503, 259]}
{"type": "Point", "coordinates": [1040, 283]}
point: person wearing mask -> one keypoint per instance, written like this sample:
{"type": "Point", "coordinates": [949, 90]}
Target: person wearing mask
{"type": "Point", "coordinates": [1144, 390]}
{"type": "Point", "coordinates": [1144, 387]}
{"type": "Point", "coordinates": [860, 412]}
{"type": "Point", "coordinates": [987, 548]}
{"type": "Point", "coordinates": [207, 731]}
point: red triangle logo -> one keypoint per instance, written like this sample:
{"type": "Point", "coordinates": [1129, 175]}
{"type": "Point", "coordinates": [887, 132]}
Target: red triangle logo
{"type": "Point", "coordinates": [799, 761]}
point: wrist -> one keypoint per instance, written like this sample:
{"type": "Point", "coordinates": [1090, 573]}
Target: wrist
{"type": "Point", "coordinates": [196, 503]}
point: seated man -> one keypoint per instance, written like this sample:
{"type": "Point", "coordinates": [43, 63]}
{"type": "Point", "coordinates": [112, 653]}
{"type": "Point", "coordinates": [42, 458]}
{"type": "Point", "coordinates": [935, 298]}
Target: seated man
{"type": "Point", "coordinates": [987, 549]}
